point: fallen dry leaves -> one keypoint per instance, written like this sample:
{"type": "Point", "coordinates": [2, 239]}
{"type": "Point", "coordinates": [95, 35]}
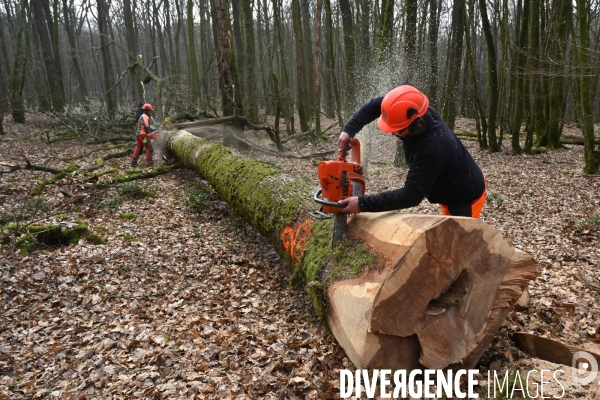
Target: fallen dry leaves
{"type": "Point", "coordinates": [182, 303]}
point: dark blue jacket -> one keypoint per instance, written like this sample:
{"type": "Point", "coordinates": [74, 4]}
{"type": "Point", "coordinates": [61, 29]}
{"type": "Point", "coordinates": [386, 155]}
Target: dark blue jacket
{"type": "Point", "coordinates": [440, 168]}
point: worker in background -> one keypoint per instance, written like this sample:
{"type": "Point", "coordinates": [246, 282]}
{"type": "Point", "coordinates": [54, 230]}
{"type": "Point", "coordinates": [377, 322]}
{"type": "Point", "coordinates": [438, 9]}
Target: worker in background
{"type": "Point", "coordinates": [144, 127]}
{"type": "Point", "coordinates": [440, 168]}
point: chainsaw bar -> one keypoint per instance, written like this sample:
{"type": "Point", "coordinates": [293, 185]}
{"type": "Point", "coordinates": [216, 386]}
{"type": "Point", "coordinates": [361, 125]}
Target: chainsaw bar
{"type": "Point", "coordinates": [339, 227]}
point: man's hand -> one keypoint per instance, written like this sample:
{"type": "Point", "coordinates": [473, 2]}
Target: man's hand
{"type": "Point", "coordinates": [351, 205]}
{"type": "Point", "coordinates": [344, 140]}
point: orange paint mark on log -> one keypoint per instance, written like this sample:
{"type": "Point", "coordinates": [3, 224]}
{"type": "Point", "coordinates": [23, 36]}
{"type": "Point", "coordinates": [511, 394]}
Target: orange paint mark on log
{"type": "Point", "coordinates": [294, 241]}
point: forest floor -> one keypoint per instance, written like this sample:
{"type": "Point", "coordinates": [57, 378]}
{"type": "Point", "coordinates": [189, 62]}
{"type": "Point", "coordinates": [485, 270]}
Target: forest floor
{"type": "Point", "coordinates": [185, 300]}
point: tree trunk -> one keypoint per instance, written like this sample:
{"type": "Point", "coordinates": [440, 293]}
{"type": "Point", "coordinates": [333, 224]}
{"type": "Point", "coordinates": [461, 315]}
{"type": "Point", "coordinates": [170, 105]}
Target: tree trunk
{"type": "Point", "coordinates": [454, 62]}
{"type": "Point", "coordinates": [350, 83]}
{"type": "Point", "coordinates": [480, 118]}
{"type": "Point", "coordinates": [83, 91]}
{"type": "Point", "coordinates": [318, 68]}
{"type": "Point", "coordinates": [17, 76]}
{"type": "Point", "coordinates": [106, 58]}
{"type": "Point", "coordinates": [249, 64]}
{"type": "Point", "coordinates": [238, 44]}
{"type": "Point", "coordinates": [557, 99]}
{"type": "Point", "coordinates": [225, 61]}
{"type": "Point", "coordinates": [194, 81]}
{"type": "Point", "coordinates": [400, 290]}
{"type": "Point", "coordinates": [585, 91]}
{"type": "Point", "coordinates": [335, 102]}
{"type": "Point", "coordinates": [309, 59]}
{"type": "Point", "coordinates": [301, 95]}
{"type": "Point", "coordinates": [538, 119]}
{"type": "Point", "coordinates": [493, 74]}
{"type": "Point", "coordinates": [433, 57]}
{"type": "Point", "coordinates": [387, 25]}
{"type": "Point", "coordinates": [521, 61]}
{"type": "Point", "coordinates": [47, 55]}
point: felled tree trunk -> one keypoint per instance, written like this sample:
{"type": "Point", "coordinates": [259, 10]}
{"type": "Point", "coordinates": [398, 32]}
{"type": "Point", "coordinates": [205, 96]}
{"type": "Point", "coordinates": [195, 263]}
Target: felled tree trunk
{"type": "Point", "coordinates": [401, 291]}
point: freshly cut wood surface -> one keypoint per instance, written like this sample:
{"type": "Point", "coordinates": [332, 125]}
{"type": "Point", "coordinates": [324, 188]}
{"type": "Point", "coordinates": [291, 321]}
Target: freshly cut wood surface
{"type": "Point", "coordinates": [448, 280]}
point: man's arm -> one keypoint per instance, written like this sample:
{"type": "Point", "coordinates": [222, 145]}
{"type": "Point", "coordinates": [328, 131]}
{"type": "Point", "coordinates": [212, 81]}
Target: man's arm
{"type": "Point", "coordinates": [422, 174]}
{"type": "Point", "coordinates": [369, 112]}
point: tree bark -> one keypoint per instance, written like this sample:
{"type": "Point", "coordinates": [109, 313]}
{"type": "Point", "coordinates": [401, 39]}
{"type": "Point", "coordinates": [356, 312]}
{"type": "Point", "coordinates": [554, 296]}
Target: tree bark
{"type": "Point", "coordinates": [83, 91]}
{"type": "Point", "coordinates": [585, 100]}
{"type": "Point", "coordinates": [17, 76]}
{"type": "Point", "coordinates": [493, 84]}
{"type": "Point", "coordinates": [400, 290]}
{"type": "Point", "coordinates": [433, 57]}
{"type": "Point", "coordinates": [387, 31]}
{"type": "Point", "coordinates": [106, 58]}
{"type": "Point", "coordinates": [350, 83]}
{"type": "Point", "coordinates": [521, 61]}
{"type": "Point", "coordinates": [454, 62]}
{"type": "Point", "coordinates": [302, 92]}
{"type": "Point", "coordinates": [562, 26]}
{"type": "Point", "coordinates": [193, 60]}
{"type": "Point", "coordinates": [318, 67]}
{"type": "Point", "coordinates": [334, 99]}
{"type": "Point", "coordinates": [225, 60]}
{"type": "Point", "coordinates": [47, 55]}
{"type": "Point", "coordinates": [251, 101]}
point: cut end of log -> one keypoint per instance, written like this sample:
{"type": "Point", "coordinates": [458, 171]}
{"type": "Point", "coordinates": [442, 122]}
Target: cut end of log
{"type": "Point", "coordinates": [446, 281]}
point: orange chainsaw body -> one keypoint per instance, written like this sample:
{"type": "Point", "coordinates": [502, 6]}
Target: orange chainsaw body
{"type": "Point", "coordinates": [341, 179]}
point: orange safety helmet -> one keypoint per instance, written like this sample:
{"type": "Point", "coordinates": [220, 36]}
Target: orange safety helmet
{"type": "Point", "coordinates": [395, 114]}
{"type": "Point", "coordinates": [147, 106]}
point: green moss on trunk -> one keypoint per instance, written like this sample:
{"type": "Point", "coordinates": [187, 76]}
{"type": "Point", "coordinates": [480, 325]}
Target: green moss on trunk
{"type": "Point", "coordinates": [276, 205]}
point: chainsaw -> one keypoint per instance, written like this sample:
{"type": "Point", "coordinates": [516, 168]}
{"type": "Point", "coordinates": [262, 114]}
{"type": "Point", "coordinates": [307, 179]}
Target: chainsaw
{"type": "Point", "coordinates": [339, 180]}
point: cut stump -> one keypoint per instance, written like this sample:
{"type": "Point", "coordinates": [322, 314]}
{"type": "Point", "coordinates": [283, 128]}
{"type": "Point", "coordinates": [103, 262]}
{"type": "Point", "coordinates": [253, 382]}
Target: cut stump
{"type": "Point", "coordinates": [439, 291]}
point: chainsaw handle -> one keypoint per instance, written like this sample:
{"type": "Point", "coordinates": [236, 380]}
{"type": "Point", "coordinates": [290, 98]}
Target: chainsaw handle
{"type": "Point", "coordinates": [355, 151]}
{"type": "Point", "coordinates": [325, 202]}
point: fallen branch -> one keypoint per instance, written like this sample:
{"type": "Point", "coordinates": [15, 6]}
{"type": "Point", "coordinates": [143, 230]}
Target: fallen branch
{"type": "Point", "coordinates": [587, 282]}
{"type": "Point", "coordinates": [11, 313]}
{"type": "Point", "coordinates": [99, 162]}
{"type": "Point", "coordinates": [111, 139]}
{"type": "Point", "coordinates": [34, 167]}
{"type": "Point", "coordinates": [143, 175]}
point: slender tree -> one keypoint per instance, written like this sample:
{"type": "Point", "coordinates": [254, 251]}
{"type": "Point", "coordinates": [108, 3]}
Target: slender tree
{"type": "Point", "coordinates": [17, 78]}
{"type": "Point", "coordinates": [301, 95]}
{"type": "Point", "coordinates": [432, 35]}
{"type": "Point", "coordinates": [82, 85]}
{"type": "Point", "coordinates": [493, 77]}
{"type": "Point", "coordinates": [561, 28]}
{"type": "Point", "coordinates": [102, 10]}
{"type": "Point", "coordinates": [194, 79]}
{"type": "Point", "coordinates": [519, 94]}
{"type": "Point", "coordinates": [283, 94]}
{"type": "Point", "coordinates": [386, 34]}
{"type": "Point", "coordinates": [225, 57]}
{"type": "Point", "coordinates": [309, 59]}
{"type": "Point", "coordinates": [454, 62]}
{"type": "Point", "coordinates": [56, 98]}
{"type": "Point", "coordinates": [591, 161]}
{"type": "Point", "coordinates": [318, 67]}
{"type": "Point", "coordinates": [350, 83]}
{"type": "Point", "coordinates": [250, 69]}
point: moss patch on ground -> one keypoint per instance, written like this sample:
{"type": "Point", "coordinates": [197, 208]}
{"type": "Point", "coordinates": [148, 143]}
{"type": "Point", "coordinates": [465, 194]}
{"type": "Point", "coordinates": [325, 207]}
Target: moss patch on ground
{"type": "Point", "coordinates": [47, 234]}
{"type": "Point", "coordinates": [39, 188]}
